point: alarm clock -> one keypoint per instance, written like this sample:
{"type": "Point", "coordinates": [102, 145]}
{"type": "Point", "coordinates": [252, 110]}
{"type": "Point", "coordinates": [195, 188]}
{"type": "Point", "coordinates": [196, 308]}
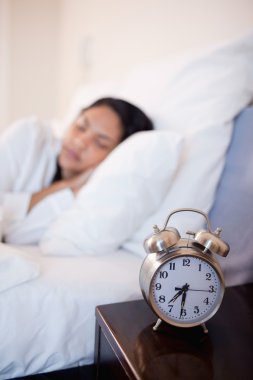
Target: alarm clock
{"type": "Point", "coordinates": [180, 278]}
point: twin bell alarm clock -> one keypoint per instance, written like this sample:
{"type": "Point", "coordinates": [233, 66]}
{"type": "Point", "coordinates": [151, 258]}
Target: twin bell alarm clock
{"type": "Point", "coordinates": [180, 278]}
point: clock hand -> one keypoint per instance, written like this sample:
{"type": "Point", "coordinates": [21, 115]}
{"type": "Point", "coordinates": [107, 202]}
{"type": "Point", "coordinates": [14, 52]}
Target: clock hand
{"type": "Point", "coordinates": [196, 290]}
{"type": "Point", "coordinates": [178, 294]}
{"type": "Point", "coordinates": [185, 289]}
{"type": "Point", "coordinates": [183, 302]}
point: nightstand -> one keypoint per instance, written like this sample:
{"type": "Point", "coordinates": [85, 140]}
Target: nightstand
{"type": "Point", "coordinates": [128, 348]}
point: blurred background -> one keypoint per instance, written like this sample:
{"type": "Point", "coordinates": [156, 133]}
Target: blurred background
{"type": "Point", "coordinates": [49, 47]}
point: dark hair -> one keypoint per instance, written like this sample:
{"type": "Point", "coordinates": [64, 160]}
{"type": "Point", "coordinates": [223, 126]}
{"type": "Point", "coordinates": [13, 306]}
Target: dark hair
{"type": "Point", "coordinates": [133, 118]}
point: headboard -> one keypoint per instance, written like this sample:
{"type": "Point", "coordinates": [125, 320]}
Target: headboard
{"type": "Point", "coordinates": [233, 207]}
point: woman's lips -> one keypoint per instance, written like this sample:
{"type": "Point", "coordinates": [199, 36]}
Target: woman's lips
{"type": "Point", "coordinates": [73, 155]}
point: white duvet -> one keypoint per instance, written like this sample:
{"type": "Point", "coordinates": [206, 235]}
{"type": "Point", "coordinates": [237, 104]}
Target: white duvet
{"type": "Point", "coordinates": [47, 319]}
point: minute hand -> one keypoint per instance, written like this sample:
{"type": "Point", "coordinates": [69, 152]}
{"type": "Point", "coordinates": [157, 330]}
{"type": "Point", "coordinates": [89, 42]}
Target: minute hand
{"type": "Point", "coordinates": [183, 303]}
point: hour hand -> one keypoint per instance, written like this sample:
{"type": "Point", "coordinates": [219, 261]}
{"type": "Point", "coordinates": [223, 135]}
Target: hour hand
{"type": "Point", "coordinates": [178, 294]}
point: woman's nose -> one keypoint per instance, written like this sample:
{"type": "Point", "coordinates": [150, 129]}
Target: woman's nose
{"type": "Point", "coordinates": [84, 140]}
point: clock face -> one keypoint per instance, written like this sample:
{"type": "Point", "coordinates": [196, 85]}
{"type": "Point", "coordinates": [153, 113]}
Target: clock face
{"type": "Point", "coordinates": [186, 290]}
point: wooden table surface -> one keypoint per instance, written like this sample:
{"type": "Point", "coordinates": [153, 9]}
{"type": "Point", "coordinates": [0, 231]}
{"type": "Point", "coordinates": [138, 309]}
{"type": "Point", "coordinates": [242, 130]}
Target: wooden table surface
{"type": "Point", "coordinates": [226, 352]}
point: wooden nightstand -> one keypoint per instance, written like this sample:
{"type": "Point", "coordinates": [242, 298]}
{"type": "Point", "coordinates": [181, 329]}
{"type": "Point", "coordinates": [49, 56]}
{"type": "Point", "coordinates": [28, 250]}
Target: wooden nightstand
{"type": "Point", "coordinates": [128, 348]}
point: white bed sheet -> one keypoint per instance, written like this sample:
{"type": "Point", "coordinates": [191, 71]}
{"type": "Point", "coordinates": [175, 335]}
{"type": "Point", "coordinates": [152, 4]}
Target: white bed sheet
{"type": "Point", "coordinates": [48, 322]}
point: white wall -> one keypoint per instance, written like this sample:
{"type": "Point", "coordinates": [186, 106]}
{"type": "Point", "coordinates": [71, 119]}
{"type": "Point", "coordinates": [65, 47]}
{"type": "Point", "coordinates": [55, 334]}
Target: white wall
{"type": "Point", "coordinates": [29, 51]}
{"type": "Point", "coordinates": [53, 45]}
{"type": "Point", "coordinates": [4, 60]}
{"type": "Point", "coordinates": [102, 39]}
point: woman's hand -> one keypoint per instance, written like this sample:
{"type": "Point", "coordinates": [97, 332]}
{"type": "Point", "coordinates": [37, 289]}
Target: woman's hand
{"type": "Point", "coordinates": [74, 183]}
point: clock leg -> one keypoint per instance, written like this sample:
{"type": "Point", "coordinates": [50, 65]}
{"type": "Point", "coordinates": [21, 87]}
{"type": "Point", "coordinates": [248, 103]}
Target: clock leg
{"type": "Point", "coordinates": [158, 322]}
{"type": "Point", "coordinates": [204, 328]}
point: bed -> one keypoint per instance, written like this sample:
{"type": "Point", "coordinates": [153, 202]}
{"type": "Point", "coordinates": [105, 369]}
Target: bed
{"type": "Point", "coordinates": [48, 292]}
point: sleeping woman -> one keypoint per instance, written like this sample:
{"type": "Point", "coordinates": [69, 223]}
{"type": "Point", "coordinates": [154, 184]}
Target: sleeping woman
{"type": "Point", "coordinates": [40, 173]}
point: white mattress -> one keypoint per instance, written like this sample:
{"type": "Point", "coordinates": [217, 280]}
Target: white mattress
{"type": "Point", "coordinates": [48, 322]}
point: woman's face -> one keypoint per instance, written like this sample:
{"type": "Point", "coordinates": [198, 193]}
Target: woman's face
{"type": "Point", "coordinates": [91, 137]}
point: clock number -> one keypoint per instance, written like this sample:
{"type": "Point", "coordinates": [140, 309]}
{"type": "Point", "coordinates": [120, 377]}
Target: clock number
{"type": "Point", "coordinates": [206, 301]}
{"type": "Point", "coordinates": [208, 276]}
{"type": "Point", "coordinates": [170, 308]}
{"type": "Point", "coordinates": [183, 313]}
{"type": "Point", "coordinates": [186, 262]}
{"type": "Point", "coordinates": [199, 267]}
{"type": "Point", "coordinates": [172, 266]}
{"type": "Point", "coordinates": [161, 299]}
{"type": "Point", "coordinates": [211, 289]}
{"type": "Point", "coordinates": [163, 274]}
{"type": "Point", "coordinates": [196, 309]}
{"type": "Point", "coordinates": [158, 286]}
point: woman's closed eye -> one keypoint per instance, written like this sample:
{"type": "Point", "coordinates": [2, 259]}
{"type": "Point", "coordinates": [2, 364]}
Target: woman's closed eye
{"type": "Point", "coordinates": [101, 144]}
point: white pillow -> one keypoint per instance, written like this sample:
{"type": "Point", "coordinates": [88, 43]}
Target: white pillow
{"type": "Point", "coordinates": [210, 90]}
{"type": "Point", "coordinates": [194, 184]}
{"type": "Point", "coordinates": [126, 188]}
{"type": "Point", "coordinates": [201, 101]}
{"type": "Point", "coordinates": [194, 90]}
